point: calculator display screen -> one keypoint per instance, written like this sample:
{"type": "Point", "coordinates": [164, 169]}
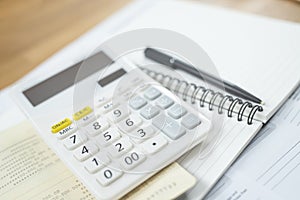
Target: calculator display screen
{"type": "Point", "coordinates": [64, 79]}
{"type": "Point", "coordinates": [110, 78]}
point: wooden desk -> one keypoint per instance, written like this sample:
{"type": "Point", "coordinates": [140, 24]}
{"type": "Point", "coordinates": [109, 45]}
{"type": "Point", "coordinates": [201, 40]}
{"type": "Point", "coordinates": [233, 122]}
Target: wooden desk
{"type": "Point", "coordinates": [32, 30]}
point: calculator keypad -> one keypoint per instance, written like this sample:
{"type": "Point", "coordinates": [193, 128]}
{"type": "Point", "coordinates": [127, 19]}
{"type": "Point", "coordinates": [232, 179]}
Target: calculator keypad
{"type": "Point", "coordinates": [125, 135]}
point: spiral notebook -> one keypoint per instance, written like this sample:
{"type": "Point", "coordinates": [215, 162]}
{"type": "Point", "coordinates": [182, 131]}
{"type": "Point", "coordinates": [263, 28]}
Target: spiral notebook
{"type": "Point", "coordinates": [256, 53]}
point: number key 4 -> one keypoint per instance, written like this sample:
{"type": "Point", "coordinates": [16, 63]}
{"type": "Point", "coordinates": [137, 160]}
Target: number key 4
{"type": "Point", "coordinates": [85, 151]}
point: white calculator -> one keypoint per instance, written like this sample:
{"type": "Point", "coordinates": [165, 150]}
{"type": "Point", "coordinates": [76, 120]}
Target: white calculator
{"type": "Point", "coordinates": [111, 124]}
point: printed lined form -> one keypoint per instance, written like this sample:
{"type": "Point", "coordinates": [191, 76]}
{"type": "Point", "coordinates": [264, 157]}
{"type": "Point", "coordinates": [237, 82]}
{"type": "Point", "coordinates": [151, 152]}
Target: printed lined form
{"type": "Point", "coordinates": [30, 170]}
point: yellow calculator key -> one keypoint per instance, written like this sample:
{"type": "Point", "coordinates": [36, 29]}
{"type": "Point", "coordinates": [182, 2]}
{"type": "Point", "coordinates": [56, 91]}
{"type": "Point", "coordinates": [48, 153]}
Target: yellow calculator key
{"type": "Point", "coordinates": [61, 125]}
{"type": "Point", "coordinates": [80, 114]}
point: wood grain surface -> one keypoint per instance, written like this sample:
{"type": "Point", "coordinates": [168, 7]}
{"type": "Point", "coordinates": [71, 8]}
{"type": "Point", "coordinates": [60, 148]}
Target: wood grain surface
{"type": "Point", "coordinates": [32, 30]}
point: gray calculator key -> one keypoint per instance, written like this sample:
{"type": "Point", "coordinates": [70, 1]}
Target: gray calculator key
{"type": "Point", "coordinates": [137, 102]}
{"type": "Point", "coordinates": [177, 111]}
{"type": "Point", "coordinates": [168, 126]}
{"type": "Point", "coordinates": [152, 93]}
{"type": "Point", "coordinates": [149, 111]}
{"type": "Point", "coordinates": [164, 102]}
{"type": "Point", "coordinates": [190, 121]}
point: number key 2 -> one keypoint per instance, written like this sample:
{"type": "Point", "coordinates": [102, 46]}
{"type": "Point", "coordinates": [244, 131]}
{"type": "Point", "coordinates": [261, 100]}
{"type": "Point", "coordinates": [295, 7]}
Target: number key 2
{"type": "Point", "coordinates": [120, 147]}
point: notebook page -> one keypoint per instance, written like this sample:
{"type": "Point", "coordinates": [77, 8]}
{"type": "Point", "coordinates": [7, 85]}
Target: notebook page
{"type": "Point", "coordinates": [234, 137]}
{"type": "Point", "coordinates": [276, 172]}
{"type": "Point", "coordinates": [256, 53]}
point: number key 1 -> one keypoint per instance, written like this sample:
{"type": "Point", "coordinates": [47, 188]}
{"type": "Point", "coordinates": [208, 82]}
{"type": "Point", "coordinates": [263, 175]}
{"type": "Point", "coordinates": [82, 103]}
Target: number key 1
{"type": "Point", "coordinates": [97, 162]}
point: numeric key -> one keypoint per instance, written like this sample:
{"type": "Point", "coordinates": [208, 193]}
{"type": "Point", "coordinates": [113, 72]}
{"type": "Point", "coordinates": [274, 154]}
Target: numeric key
{"type": "Point", "coordinates": [107, 175]}
{"type": "Point", "coordinates": [118, 114]}
{"type": "Point", "coordinates": [120, 147]}
{"type": "Point", "coordinates": [85, 151]}
{"type": "Point", "coordinates": [107, 137]}
{"type": "Point", "coordinates": [130, 123]}
{"type": "Point", "coordinates": [97, 162]}
{"type": "Point", "coordinates": [132, 159]}
{"type": "Point", "coordinates": [74, 140]}
{"type": "Point", "coordinates": [142, 133]}
{"type": "Point", "coordinates": [97, 126]}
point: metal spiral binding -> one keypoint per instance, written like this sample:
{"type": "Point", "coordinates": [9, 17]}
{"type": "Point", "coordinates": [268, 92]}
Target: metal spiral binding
{"type": "Point", "coordinates": [175, 85]}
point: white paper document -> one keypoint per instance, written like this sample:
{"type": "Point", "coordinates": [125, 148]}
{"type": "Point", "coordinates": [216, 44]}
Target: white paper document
{"type": "Point", "coordinates": [270, 166]}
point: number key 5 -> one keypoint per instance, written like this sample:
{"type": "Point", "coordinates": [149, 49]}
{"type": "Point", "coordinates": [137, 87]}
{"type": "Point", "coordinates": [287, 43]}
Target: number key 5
{"type": "Point", "coordinates": [107, 137]}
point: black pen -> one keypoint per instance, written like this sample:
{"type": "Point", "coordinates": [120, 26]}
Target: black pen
{"type": "Point", "coordinates": [167, 60]}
